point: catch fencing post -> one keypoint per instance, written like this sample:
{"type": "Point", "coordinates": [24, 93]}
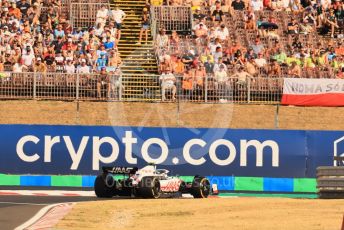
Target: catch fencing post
{"type": "Point", "coordinates": [77, 86]}
{"type": "Point", "coordinates": [248, 90]}
{"type": "Point", "coordinates": [34, 85]}
{"type": "Point", "coordinates": [206, 89]}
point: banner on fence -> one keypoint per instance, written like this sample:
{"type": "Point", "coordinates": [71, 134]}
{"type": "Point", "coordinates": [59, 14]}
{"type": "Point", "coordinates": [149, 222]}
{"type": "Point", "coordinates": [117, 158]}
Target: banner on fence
{"type": "Point", "coordinates": [83, 150]}
{"type": "Point", "coordinates": [313, 92]}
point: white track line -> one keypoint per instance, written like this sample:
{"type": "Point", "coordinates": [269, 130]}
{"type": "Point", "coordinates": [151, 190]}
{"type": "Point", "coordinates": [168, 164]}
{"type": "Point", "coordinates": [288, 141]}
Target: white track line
{"type": "Point", "coordinates": [37, 217]}
{"type": "Point", "coordinates": [18, 203]}
{"type": "Point", "coordinates": [48, 193]}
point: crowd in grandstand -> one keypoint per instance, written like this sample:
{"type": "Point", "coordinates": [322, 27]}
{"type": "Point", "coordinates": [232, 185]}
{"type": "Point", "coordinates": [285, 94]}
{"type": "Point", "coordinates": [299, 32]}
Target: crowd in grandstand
{"type": "Point", "coordinates": [215, 49]}
{"type": "Point", "coordinates": [36, 36]}
{"type": "Point", "coordinates": [230, 38]}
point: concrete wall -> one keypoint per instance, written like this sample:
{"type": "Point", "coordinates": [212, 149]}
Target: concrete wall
{"type": "Point", "coordinates": [171, 115]}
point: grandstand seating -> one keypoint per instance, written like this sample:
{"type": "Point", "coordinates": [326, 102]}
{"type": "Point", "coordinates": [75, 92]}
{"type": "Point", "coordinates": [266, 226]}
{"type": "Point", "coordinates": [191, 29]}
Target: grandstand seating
{"type": "Point", "coordinates": [140, 68]}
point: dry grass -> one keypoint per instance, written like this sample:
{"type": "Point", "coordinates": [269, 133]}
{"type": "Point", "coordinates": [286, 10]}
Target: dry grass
{"type": "Point", "coordinates": [241, 213]}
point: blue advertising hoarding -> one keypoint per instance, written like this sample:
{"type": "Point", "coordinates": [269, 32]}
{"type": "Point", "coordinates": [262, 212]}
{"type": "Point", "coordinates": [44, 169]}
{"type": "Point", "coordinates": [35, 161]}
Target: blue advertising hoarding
{"type": "Point", "coordinates": [82, 150]}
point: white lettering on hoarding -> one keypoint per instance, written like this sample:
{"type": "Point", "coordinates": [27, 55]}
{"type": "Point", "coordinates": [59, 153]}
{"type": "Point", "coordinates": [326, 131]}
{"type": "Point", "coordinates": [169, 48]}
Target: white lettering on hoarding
{"type": "Point", "coordinates": [20, 148]}
{"type": "Point", "coordinates": [164, 150]}
{"type": "Point", "coordinates": [76, 154]}
{"type": "Point", "coordinates": [186, 151]}
{"type": "Point", "coordinates": [244, 144]}
{"type": "Point", "coordinates": [98, 157]}
{"type": "Point", "coordinates": [231, 148]}
{"type": "Point", "coordinates": [128, 141]}
{"type": "Point", "coordinates": [48, 145]}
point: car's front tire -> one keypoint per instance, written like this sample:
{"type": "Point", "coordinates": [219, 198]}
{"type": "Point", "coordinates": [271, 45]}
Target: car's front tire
{"type": "Point", "coordinates": [200, 187]}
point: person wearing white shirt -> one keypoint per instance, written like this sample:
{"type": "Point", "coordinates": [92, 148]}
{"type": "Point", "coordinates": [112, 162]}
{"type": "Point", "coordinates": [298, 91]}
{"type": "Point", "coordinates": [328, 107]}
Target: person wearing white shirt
{"type": "Point", "coordinates": [214, 45]}
{"type": "Point", "coordinates": [218, 65]}
{"type": "Point", "coordinates": [25, 46]}
{"type": "Point", "coordinates": [257, 5]}
{"type": "Point", "coordinates": [221, 75]}
{"type": "Point", "coordinates": [28, 57]}
{"type": "Point", "coordinates": [69, 67]}
{"type": "Point", "coordinates": [83, 68]}
{"type": "Point", "coordinates": [260, 61]}
{"type": "Point", "coordinates": [286, 5]}
{"type": "Point", "coordinates": [18, 67]}
{"type": "Point", "coordinates": [222, 32]}
{"type": "Point", "coordinates": [197, 26]}
{"type": "Point", "coordinates": [168, 82]}
{"type": "Point", "coordinates": [102, 16]}
{"type": "Point", "coordinates": [118, 16]}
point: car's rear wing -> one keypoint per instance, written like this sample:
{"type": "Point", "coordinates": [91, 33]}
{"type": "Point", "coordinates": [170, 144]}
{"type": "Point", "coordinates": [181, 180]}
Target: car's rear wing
{"type": "Point", "coordinates": [120, 170]}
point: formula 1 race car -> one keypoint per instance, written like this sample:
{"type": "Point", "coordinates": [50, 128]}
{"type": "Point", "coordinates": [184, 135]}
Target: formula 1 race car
{"type": "Point", "coordinates": [148, 182]}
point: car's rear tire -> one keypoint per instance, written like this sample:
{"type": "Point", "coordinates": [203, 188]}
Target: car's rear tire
{"type": "Point", "coordinates": [149, 188]}
{"type": "Point", "coordinates": [101, 188]}
{"type": "Point", "coordinates": [200, 187]}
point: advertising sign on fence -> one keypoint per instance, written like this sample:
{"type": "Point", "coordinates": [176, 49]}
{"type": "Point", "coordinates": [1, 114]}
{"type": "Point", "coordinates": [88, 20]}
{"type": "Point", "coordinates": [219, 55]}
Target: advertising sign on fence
{"type": "Point", "coordinates": [83, 150]}
{"type": "Point", "coordinates": [313, 92]}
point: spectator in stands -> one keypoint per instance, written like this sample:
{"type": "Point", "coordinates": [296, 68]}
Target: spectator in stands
{"type": "Point", "coordinates": [174, 42]}
{"type": "Point", "coordinates": [114, 60]}
{"type": "Point", "coordinates": [19, 67]}
{"type": "Point", "coordinates": [218, 65]}
{"type": "Point", "coordinates": [118, 16]}
{"type": "Point", "coordinates": [201, 33]}
{"type": "Point", "coordinates": [197, 15]}
{"type": "Point", "coordinates": [39, 66]}
{"type": "Point", "coordinates": [154, 2]}
{"type": "Point", "coordinates": [178, 66]}
{"type": "Point", "coordinates": [238, 5]}
{"type": "Point", "coordinates": [144, 25]}
{"type": "Point", "coordinates": [103, 79]}
{"type": "Point", "coordinates": [69, 67]}
{"type": "Point", "coordinates": [260, 61]}
{"type": "Point", "coordinates": [187, 83]}
{"type": "Point", "coordinates": [242, 76]}
{"type": "Point", "coordinates": [294, 70]}
{"type": "Point", "coordinates": [200, 76]}
{"type": "Point", "coordinates": [23, 6]}
{"type": "Point", "coordinates": [296, 6]}
{"type": "Point", "coordinates": [274, 69]}
{"type": "Point", "coordinates": [257, 5]}
{"type": "Point", "coordinates": [102, 16]}
{"type": "Point", "coordinates": [28, 57]}
{"type": "Point", "coordinates": [188, 57]}
{"type": "Point", "coordinates": [251, 67]}
{"type": "Point", "coordinates": [101, 62]}
{"type": "Point", "coordinates": [109, 44]}
{"type": "Point", "coordinates": [222, 33]}
{"type": "Point", "coordinates": [340, 73]}
{"type": "Point", "coordinates": [83, 68]}
{"type": "Point", "coordinates": [162, 39]}
{"type": "Point", "coordinates": [218, 15]}
{"type": "Point", "coordinates": [331, 21]}
{"type": "Point", "coordinates": [250, 24]}
{"type": "Point", "coordinates": [168, 81]}
{"type": "Point", "coordinates": [293, 27]}
{"type": "Point", "coordinates": [218, 54]}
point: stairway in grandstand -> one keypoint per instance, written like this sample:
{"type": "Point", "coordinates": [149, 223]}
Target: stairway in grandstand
{"type": "Point", "coordinates": [139, 69]}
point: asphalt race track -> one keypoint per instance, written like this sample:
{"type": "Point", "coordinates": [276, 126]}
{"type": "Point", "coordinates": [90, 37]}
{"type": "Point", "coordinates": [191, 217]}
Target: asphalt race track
{"type": "Point", "coordinates": [15, 210]}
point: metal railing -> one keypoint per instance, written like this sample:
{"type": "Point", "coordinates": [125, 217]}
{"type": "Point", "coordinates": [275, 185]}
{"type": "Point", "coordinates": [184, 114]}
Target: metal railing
{"type": "Point", "coordinates": [208, 89]}
{"type": "Point", "coordinates": [84, 14]}
{"type": "Point", "coordinates": [60, 86]}
{"type": "Point", "coordinates": [178, 18]}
